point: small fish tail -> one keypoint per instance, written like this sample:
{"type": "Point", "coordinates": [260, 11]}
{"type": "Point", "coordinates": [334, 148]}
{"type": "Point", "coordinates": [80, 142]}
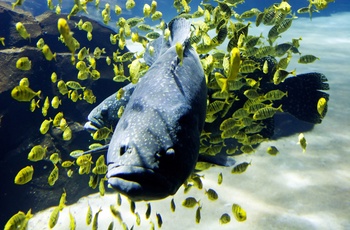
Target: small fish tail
{"type": "Point", "coordinates": [39, 94]}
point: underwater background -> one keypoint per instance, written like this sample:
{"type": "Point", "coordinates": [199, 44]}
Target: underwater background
{"type": "Point", "coordinates": [293, 190]}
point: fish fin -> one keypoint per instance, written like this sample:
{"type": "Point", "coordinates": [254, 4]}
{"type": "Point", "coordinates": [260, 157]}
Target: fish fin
{"type": "Point", "coordinates": [303, 95]}
{"type": "Point", "coordinates": [180, 30]}
{"type": "Point", "coordinates": [159, 45]}
{"type": "Point", "coordinates": [219, 159]}
{"type": "Point", "coordinates": [97, 150]}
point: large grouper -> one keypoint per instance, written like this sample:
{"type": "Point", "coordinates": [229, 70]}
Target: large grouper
{"type": "Point", "coordinates": [155, 144]}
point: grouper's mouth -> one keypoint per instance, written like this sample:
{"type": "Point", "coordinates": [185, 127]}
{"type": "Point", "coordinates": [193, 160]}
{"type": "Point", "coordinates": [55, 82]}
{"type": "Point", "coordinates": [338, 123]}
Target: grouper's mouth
{"type": "Point", "coordinates": [139, 183]}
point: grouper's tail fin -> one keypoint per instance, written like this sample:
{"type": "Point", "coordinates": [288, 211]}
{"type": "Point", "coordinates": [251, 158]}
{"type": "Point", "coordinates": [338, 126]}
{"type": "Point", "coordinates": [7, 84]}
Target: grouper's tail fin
{"type": "Point", "coordinates": [180, 30]}
{"type": "Point", "coordinates": [304, 95]}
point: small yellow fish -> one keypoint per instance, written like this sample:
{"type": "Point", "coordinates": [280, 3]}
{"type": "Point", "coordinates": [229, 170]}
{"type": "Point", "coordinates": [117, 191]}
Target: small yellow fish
{"type": "Point", "coordinates": [116, 213]}
{"type": "Point", "coordinates": [47, 53]}
{"type": "Point", "coordinates": [66, 34]}
{"type": "Point", "coordinates": [101, 169]}
{"type": "Point", "coordinates": [23, 93]}
{"type": "Point", "coordinates": [53, 176]}
{"type": "Point", "coordinates": [88, 215]}
{"type": "Point", "coordinates": [24, 175]}
{"type": "Point", "coordinates": [55, 102]}
{"type": "Point", "coordinates": [67, 164]}
{"type": "Point", "coordinates": [22, 30]}
{"type": "Point", "coordinates": [119, 199]}
{"type": "Point", "coordinates": [212, 195]}
{"type": "Point", "coordinates": [284, 7]}
{"type": "Point", "coordinates": [198, 214]}
{"type": "Point", "coordinates": [132, 206]}
{"type": "Point", "coordinates": [101, 134]}
{"type": "Point", "coordinates": [306, 59]}
{"type": "Point", "coordinates": [70, 172]}
{"type": "Point", "coordinates": [40, 43]}
{"type": "Point", "coordinates": [272, 150]}
{"type": "Point", "coordinates": [63, 123]}
{"type": "Point", "coordinates": [45, 126]}
{"type": "Point", "coordinates": [95, 220]}
{"type": "Point", "coordinates": [18, 221]}
{"type": "Point", "coordinates": [220, 178]}
{"type": "Point", "coordinates": [101, 187]}
{"type": "Point", "coordinates": [148, 210]}
{"type": "Point", "coordinates": [24, 63]}
{"type": "Point", "coordinates": [130, 4]}
{"type": "Point", "coordinates": [84, 159]}
{"type": "Point", "coordinates": [54, 217]}
{"type": "Point", "coordinates": [281, 74]}
{"type": "Point", "coordinates": [63, 200]}
{"type": "Point", "coordinates": [24, 82]}
{"type": "Point", "coordinates": [156, 15]}
{"type": "Point", "coordinates": [72, 224]}
{"type": "Point", "coordinates": [225, 218]}
{"type": "Point", "coordinates": [117, 10]}
{"type": "Point", "coordinates": [179, 51]}
{"type": "Point", "coordinates": [302, 141]}
{"type": "Point", "coordinates": [266, 112]}
{"type": "Point", "coordinates": [46, 106]}
{"type": "Point", "coordinates": [93, 181]}
{"type": "Point", "coordinates": [321, 106]}
{"type": "Point", "coordinates": [17, 3]}
{"type": "Point", "coordinates": [239, 213]}
{"type": "Point", "coordinates": [159, 220]}
{"type": "Point", "coordinates": [37, 153]}
{"type": "Point", "coordinates": [190, 202]}
{"type": "Point", "coordinates": [172, 205]}
{"type": "Point", "coordinates": [2, 40]}
{"type": "Point", "coordinates": [57, 119]}
{"type": "Point", "coordinates": [34, 104]}
{"type": "Point", "coordinates": [67, 134]}
{"type": "Point", "coordinates": [55, 158]}
{"type": "Point", "coordinates": [240, 168]}
{"type": "Point", "coordinates": [74, 85]}
{"type": "Point", "coordinates": [146, 10]}
{"type": "Point", "coordinates": [53, 77]}
{"type": "Point", "coordinates": [62, 88]}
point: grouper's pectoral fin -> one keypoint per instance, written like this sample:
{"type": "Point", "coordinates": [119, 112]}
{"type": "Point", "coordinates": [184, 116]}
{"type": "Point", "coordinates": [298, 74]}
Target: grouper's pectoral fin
{"type": "Point", "coordinates": [219, 159]}
{"type": "Point", "coordinates": [103, 148]}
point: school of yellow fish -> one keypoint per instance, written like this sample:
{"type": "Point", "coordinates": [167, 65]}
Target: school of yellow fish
{"type": "Point", "coordinates": [235, 63]}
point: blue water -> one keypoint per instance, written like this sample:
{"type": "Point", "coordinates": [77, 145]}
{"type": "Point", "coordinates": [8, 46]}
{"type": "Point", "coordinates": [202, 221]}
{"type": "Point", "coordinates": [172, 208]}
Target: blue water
{"type": "Point", "coordinates": [165, 6]}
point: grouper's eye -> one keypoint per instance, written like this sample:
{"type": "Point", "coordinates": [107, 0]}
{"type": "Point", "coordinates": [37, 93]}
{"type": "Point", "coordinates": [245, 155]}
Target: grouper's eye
{"type": "Point", "coordinates": [123, 149]}
{"type": "Point", "coordinates": [104, 112]}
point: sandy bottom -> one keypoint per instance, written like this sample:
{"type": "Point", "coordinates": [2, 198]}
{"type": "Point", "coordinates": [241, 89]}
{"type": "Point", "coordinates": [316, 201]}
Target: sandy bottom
{"type": "Point", "coordinates": [292, 190]}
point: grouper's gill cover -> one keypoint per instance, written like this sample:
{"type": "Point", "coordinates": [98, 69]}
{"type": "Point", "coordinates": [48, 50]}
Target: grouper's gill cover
{"type": "Point", "coordinates": [155, 145]}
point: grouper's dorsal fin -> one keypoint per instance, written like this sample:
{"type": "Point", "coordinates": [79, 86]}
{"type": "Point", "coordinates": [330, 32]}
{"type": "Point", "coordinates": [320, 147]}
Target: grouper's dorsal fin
{"type": "Point", "coordinates": [158, 45]}
{"type": "Point", "coordinates": [180, 30]}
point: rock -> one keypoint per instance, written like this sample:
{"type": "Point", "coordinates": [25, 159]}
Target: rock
{"type": "Point", "coordinates": [19, 128]}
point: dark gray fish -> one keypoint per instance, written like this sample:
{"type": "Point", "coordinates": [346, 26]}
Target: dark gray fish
{"type": "Point", "coordinates": [154, 147]}
{"type": "Point", "coordinates": [106, 113]}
